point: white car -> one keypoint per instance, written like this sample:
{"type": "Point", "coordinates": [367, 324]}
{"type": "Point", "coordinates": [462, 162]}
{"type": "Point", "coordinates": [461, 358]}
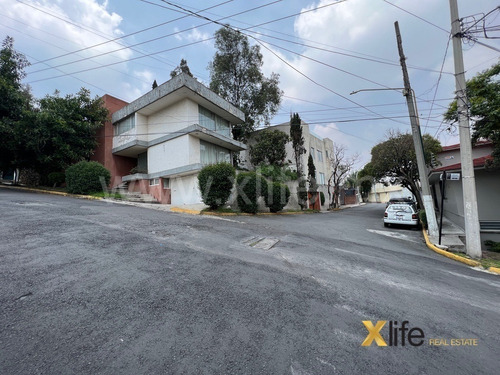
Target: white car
{"type": "Point", "coordinates": [402, 214]}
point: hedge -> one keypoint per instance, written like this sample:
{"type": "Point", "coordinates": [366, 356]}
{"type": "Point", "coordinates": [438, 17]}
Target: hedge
{"type": "Point", "coordinates": [215, 182]}
{"type": "Point", "coordinates": [277, 197]}
{"type": "Point", "coordinates": [86, 177]}
{"type": "Point", "coordinates": [250, 187]}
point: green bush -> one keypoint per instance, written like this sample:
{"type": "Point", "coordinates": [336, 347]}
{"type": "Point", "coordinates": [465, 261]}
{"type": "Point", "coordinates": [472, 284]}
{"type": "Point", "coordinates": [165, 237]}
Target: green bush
{"type": "Point", "coordinates": [302, 194]}
{"type": "Point", "coordinates": [322, 197]}
{"type": "Point", "coordinates": [277, 174]}
{"type": "Point", "coordinates": [250, 186]}
{"type": "Point", "coordinates": [492, 245]}
{"type": "Point", "coordinates": [56, 178]}
{"type": "Point", "coordinates": [215, 182]}
{"type": "Point", "coordinates": [423, 218]}
{"type": "Point", "coordinates": [29, 177]}
{"type": "Point", "coordinates": [85, 177]}
{"type": "Point", "coordinates": [277, 197]}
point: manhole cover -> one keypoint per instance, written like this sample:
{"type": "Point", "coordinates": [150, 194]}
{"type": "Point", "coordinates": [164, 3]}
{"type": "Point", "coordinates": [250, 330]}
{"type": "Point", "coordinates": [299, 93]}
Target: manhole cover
{"type": "Point", "coordinates": [264, 243]}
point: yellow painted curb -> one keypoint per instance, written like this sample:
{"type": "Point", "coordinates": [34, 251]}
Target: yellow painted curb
{"type": "Point", "coordinates": [470, 262]}
{"type": "Point", "coordinates": [185, 211]}
{"type": "Point", "coordinates": [494, 270]}
{"type": "Point", "coordinates": [52, 192]}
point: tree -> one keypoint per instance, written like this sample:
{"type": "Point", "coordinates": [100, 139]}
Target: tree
{"type": "Point", "coordinates": [395, 160]}
{"type": "Point", "coordinates": [181, 68]}
{"type": "Point", "coordinates": [270, 148]}
{"type": "Point", "coordinates": [311, 173]}
{"type": "Point", "coordinates": [365, 178]}
{"type": "Point", "coordinates": [297, 141]}
{"type": "Point", "coordinates": [483, 92]}
{"type": "Point", "coordinates": [341, 165]}
{"type": "Point", "coordinates": [235, 75]}
{"type": "Point", "coordinates": [15, 102]}
{"type": "Point", "coordinates": [62, 131]}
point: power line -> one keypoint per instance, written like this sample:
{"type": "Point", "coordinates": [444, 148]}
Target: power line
{"type": "Point", "coordinates": [420, 18]}
{"type": "Point", "coordinates": [130, 34]}
{"type": "Point", "coordinates": [157, 38]}
{"type": "Point", "coordinates": [438, 81]}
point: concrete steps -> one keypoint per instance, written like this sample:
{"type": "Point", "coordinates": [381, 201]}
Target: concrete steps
{"type": "Point", "coordinates": [134, 196]}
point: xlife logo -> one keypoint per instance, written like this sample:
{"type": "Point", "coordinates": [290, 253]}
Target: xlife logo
{"type": "Point", "coordinates": [414, 336]}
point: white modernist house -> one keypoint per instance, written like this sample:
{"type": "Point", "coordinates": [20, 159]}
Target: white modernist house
{"type": "Point", "coordinates": [171, 133]}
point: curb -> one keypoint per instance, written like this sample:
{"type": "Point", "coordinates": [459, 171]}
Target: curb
{"type": "Point", "coordinates": [470, 262]}
{"type": "Point", "coordinates": [494, 270]}
{"type": "Point", "coordinates": [185, 211]}
{"type": "Point", "coordinates": [79, 196]}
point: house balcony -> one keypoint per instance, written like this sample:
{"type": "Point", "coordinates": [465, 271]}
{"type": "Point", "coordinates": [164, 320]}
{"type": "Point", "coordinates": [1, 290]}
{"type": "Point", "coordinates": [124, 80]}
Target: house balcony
{"type": "Point", "coordinates": [129, 144]}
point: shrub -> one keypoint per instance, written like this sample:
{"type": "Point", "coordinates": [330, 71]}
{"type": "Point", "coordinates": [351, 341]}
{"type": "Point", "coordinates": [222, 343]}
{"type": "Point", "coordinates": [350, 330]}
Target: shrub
{"type": "Point", "coordinates": [85, 177]}
{"type": "Point", "coordinates": [302, 194]}
{"type": "Point", "coordinates": [492, 245]}
{"type": "Point", "coordinates": [276, 173]}
{"type": "Point", "coordinates": [423, 218]}
{"type": "Point", "coordinates": [56, 178]}
{"type": "Point", "coordinates": [250, 186]}
{"type": "Point", "coordinates": [322, 197]}
{"type": "Point", "coordinates": [277, 197]}
{"type": "Point", "coordinates": [215, 182]}
{"type": "Point", "coordinates": [29, 177]}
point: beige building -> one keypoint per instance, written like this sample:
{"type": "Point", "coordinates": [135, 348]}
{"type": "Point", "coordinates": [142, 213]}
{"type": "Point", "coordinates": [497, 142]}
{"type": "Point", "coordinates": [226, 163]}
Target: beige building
{"type": "Point", "coordinates": [320, 148]}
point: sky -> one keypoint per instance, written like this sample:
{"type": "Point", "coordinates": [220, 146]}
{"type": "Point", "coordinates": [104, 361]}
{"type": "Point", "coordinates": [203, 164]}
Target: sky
{"type": "Point", "coordinates": [323, 50]}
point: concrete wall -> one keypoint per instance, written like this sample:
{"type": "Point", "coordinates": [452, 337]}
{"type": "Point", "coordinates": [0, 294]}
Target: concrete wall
{"type": "Point", "coordinates": [170, 154]}
{"type": "Point", "coordinates": [382, 194]}
{"type": "Point", "coordinates": [175, 117]}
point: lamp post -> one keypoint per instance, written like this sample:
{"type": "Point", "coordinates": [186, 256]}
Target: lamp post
{"type": "Point", "coordinates": [419, 152]}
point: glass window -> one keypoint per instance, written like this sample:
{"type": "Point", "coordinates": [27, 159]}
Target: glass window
{"type": "Point", "coordinates": [125, 125]}
{"type": "Point", "coordinates": [213, 154]}
{"type": "Point", "coordinates": [326, 154]}
{"type": "Point", "coordinates": [321, 178]}
{"type": "Point", "coordinates": [154, 182]}
{"type": "Point", "coordinates": [312, 152]}
{"type": "Point", "coordinates": [320, 156]}
{"type": "Point", "coordinates": [213, 122]}
{"type": "Point", "coordinates": [166, 183]}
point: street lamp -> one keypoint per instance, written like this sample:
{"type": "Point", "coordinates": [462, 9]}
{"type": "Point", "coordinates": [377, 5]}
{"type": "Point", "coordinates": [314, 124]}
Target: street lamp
{"type": "Point", "coordinates": [419, 152]}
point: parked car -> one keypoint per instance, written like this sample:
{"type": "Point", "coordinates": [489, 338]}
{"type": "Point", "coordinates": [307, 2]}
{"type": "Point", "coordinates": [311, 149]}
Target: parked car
{"type": "Point", "coordinates": [408, 200]}
{"type": "Point", "coordinates": [401, 213]}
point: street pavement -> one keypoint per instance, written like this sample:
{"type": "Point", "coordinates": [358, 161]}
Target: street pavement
{"type": "Point", "coordinates": [92, 287]}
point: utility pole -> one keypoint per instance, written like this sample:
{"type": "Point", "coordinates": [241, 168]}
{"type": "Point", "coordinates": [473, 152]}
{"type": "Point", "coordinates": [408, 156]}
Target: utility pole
{"type": "Point", "coordinates": [417, 141]}
{"type": "Point", "coordinates": [471, 216]}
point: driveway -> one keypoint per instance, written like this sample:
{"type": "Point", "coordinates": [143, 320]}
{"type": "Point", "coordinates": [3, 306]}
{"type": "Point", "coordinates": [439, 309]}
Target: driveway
{"type": "Point", "coordinates": [88, 287]}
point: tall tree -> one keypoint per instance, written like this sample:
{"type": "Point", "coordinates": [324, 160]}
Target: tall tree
{"type": "Point", "coordinates": [62, 131]}
{"type": "Point", "coordinates": [483, 92]}
{"type": "Point", "coordinates": [270, 148]}
{"type": "Point", "coordinates": [235, 75]}
{"type": "Point", "coordinates": [341, 165]}
{"type": "Point", "coordinates": [311, 172]}
{"type": "Point", "coordinates": [297, 141]}
{"type": "Point", "coordinates": [14, 103]}
{"type": "Point", "coordinates": [181, 68]}
{"type": "Point", "coordinates": [395, 160]}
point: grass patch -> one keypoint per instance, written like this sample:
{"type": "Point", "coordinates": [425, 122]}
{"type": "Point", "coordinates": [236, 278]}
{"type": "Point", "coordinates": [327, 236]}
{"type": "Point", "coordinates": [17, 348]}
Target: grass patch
{"type": "Point", "coordinates": [221, 210]}
{"type": "Point", "coordinates": [486, 261]}
{"type": "Point", "coordinates": [103, 194]}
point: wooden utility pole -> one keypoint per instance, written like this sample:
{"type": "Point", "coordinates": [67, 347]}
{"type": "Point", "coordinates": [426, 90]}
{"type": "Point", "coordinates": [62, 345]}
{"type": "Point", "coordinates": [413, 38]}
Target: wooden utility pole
{"type": "Point", "coordinates": [471, 216]}
{"type": "Point", "coordinates": [417, 141]}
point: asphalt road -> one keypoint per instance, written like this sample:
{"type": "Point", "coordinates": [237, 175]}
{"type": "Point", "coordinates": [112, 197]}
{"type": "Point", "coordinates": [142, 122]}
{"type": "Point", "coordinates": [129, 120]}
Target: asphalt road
{"type": "Point", "coordinates": [89, 287]}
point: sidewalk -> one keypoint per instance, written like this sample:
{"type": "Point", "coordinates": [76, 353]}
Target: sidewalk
{"type": "Point", "coordinates": [450, 236]}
